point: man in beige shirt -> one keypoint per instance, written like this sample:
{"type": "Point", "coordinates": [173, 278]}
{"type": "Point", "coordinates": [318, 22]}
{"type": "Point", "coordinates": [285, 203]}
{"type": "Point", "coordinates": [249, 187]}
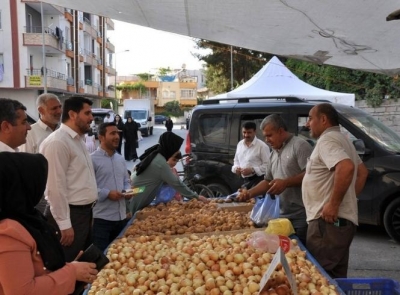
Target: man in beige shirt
{"type": "Point", "coordinates": [335, 175]}
{"type": "Point", "coordinates": [71, 184]}
{"type": "Point", "coordinates": [14, 125]}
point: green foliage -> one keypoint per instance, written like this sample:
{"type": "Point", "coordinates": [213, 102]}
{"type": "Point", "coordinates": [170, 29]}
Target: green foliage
{"type": "Point", "coordinates": [173, 109]}
{"type": "Point", "coordinates": [164, 71]}
{"type": "Point", "coordinates": [131, 87]}
{"type": "Point", "coordinates": [144, 76]}
{"type": "Point", "coordinates": [365, 85]}
{"type": "Point", "coordinates": [107, 103]}
{"type": "Point", "coordinates": [218, 73]}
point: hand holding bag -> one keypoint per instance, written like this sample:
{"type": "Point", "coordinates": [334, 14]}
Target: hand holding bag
{"type": "Point", "coordinates": [265, 209]}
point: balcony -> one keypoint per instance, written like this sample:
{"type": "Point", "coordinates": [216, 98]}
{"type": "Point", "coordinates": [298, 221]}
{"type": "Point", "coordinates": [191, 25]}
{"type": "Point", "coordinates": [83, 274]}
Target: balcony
{"type": "Point", "coordinates": [100, 64]}
{"type": "Point", "coordinates": [68, 15]}
{"type": "Point", "coordinates": [110, 24]}
{"type": "Point", "coordinates": [110, 71]}
{"type": "Point", "coordinates": [55, 80]}
{"type": "Point", "coordinates": [110, 46]}
{"type": "Point", "coordinates": [88, 28]}
{"type": "Point", "coordinates": [80, 19]}
{"type": "Point", "coordinates": [69, 49]}
{"type": "Point", "coordinates": [89, 57]}
{"type": "Point", "coordinates": [33, 37]}
{"type": "Point", "coordinates": [188, 102]}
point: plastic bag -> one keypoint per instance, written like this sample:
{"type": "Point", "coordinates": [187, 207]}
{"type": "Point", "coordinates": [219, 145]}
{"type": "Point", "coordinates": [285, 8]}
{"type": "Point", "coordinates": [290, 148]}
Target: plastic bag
{"type": "Point", "coordinates": [269, 242]}
{"type": "Point", "coordinates": [165, 194]}
{"type": "Point", "coordinates": [265, 209]}
{"type": "Point", "coordinates": [280, 226]}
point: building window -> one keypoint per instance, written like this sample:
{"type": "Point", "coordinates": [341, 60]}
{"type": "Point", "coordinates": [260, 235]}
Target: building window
{"type": "Point", "coordinates": [172, 94]}
{"type": "Point", "coordinates": [165, 94]}
{"type": "Point", "coordinates": [187, 93]}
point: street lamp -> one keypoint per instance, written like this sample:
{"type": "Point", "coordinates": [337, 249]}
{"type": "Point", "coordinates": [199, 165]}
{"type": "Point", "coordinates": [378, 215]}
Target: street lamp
{"type": "Point", "coordinates": [115, 82]}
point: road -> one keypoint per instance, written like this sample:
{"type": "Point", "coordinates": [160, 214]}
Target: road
{"type": "Point", "coordinates": [372, 254]}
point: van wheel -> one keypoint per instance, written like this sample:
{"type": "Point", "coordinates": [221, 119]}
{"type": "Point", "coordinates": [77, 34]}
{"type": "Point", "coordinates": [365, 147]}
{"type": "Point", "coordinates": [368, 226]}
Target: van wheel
{"type": "Point", "coordinates": [391, 219]}
{"type": "Point", "coordinates": [218, 190]}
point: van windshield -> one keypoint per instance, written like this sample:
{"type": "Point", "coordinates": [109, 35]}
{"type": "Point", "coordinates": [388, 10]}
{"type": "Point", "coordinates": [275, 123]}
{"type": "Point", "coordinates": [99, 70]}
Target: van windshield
{"type": "Point", "coordinates": [136, 114]}
{"type": "Point", "coordinates": [379, 132]}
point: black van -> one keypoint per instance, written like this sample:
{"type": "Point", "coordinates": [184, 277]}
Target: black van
{"type": "Point", "coordinates": [215, 130]}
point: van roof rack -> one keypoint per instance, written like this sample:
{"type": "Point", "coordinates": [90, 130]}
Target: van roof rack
{"type": "Point", "coordinates": [247, 99]}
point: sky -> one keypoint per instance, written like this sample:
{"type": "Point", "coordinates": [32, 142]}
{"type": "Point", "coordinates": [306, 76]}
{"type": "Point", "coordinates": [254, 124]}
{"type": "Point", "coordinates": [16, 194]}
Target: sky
{"type": "Point", "coordinates": [151, 49]}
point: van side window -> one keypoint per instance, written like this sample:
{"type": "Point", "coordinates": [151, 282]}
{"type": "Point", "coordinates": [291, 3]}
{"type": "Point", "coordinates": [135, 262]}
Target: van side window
{"type": "Point", "coordinates": [256, 118]}
{"type": "Point", "coordinates": [303, 132]}
{"type": "Point", "coordinates": [213, 128]}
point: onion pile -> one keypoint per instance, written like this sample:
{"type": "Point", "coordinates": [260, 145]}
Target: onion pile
{"type": "Point", "coordinates": [215, 264]}
{"type": "Point", "coordinates": [177, 222]}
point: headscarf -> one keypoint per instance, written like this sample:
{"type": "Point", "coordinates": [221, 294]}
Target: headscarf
{"type": "Point", "coordinates": [23, 179]}
{"type": "Point", "coordinates": [168, 144]}
{"type": "Point", "coordinates": [130, 129]}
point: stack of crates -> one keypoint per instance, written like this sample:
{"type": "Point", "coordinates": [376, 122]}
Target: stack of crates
{"type": "Point", "coordinates": [369, 286]}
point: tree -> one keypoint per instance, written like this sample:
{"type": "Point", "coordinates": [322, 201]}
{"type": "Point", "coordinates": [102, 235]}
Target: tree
{"type": "Point", "coordinates": [144, 76]}
{"type": "Point", "coordinates": [164, 71]}
{"type": "Point", "coordinates": [173, 109]}
{"type": "Point", "coordinates": [218, 73]}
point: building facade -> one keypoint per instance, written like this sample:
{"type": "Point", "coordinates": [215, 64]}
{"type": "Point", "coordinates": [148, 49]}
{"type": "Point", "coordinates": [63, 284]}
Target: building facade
{"type": "Point", "coordinates": [180, 86]}
{"type": "Point", "coordinates": [45, 47]}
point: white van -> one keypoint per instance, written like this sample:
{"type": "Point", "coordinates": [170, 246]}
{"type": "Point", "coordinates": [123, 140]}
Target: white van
{"type": "Point", "coordinates": [98, 117]}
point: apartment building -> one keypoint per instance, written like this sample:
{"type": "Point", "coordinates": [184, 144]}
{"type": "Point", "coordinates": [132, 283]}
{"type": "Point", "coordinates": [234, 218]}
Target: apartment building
{"type": "Point", "coordinates": [180, 86]}
{"type": "Point", "coordinates": [48, 47]}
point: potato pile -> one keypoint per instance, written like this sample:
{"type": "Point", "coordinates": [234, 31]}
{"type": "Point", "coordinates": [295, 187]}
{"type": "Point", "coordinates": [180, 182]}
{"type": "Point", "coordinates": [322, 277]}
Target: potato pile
{"type": "Point", "coordinates": [216, 264]}
{"type": "Point", "coordinates": [204, 218]}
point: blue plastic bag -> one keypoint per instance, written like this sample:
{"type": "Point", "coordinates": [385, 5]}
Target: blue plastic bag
{"type": "Point", "coordinates": [265, 209]}
{"type": "Point", "coordinates": [165, 194]}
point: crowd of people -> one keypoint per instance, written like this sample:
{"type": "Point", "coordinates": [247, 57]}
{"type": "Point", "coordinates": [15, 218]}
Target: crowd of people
{"type": "Point", "coordinates": [56, 198]}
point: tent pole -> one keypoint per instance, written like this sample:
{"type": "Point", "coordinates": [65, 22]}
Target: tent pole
{"type": "Point", "coordinates": [231, 69]}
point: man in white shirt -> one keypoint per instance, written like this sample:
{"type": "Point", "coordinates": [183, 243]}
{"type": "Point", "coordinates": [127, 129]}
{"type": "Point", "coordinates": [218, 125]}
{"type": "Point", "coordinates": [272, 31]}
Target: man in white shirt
{"type": "Point", "coordinates": [251, 158]}
{"type": "Point", "coordinates": [71, 184]}
{"type": "Point", "coordinates": [49, 108]}
{"type": "Point", "coordinates": [14, 125]}
{"type": "Point", "coordinates": [108, 119]}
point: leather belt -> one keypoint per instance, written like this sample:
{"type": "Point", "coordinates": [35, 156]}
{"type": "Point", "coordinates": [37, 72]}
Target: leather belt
{"type": "Point", "coordinates": [87, 206]}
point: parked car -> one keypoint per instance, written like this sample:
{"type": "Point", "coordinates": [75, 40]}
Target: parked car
{"type": "Point", "coordinates": [215, 130]}
{"type": "Point", "coordinates": [160, 119]}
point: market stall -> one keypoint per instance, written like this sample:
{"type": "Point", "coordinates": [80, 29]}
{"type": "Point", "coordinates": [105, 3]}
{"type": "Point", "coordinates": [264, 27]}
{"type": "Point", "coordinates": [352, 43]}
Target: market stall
{"type": "Point", "coordinates": [187, 248]}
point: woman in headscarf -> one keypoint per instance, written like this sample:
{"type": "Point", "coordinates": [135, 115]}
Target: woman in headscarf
{"type": "Point", "coordinates": [120, 126]}
{"type": "Point", "coordinates": [32, 259]}
{"type": "Point", "coordinates": [131, 139]}
{"type": "Point", "coordinates": [153, 171]}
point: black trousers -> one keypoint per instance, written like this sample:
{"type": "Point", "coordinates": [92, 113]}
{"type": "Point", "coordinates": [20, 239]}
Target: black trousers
{"type": "Point", "coordinates": [81, 220]}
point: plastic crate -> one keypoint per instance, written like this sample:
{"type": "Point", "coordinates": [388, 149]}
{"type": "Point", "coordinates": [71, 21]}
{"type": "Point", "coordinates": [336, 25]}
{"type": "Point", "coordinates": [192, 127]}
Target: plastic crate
{"type": "Point", "coordinates": [369, 286]}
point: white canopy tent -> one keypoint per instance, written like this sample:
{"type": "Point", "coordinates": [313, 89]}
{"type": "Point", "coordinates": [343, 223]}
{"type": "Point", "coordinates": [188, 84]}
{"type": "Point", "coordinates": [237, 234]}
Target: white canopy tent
{"type": "Point", "coordinates": [275, 79]}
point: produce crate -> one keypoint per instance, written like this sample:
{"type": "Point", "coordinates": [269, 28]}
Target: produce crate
{"type": "Point", "coordinates": [369, 286]}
